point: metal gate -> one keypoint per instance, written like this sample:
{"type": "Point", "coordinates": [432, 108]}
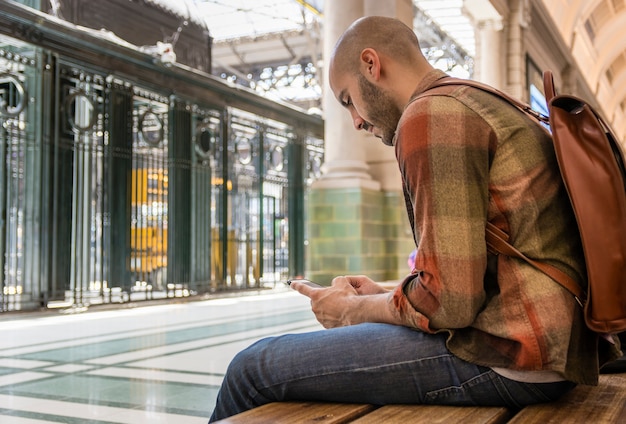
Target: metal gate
{"type": "Point", "coordinates": [21, 153]}
{"type": "Point", "coordinates": [116, 188]}
{"type": "Point", "coordinates": [149, 192]}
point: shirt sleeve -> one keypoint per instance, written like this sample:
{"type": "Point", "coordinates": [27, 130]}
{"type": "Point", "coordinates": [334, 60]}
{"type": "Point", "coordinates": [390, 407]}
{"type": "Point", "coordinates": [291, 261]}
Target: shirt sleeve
{"type": "Point", "coordinates": [443, 150]}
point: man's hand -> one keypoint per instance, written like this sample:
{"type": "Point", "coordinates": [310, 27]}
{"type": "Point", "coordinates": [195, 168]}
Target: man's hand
{"type": "Point", "coordinates": [365, 285]}
{"type": "Point", "coordinates": [349, 300]}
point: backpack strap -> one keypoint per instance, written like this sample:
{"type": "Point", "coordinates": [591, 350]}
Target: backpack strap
{"type": "Point", "coordinates": [497, 240]}
{"type": "Point", "coordinates": [548, 86]}
{"type": "Point", "coordinates": [524, 107]}
{"type": "Point", "coordinates": [497, 243]}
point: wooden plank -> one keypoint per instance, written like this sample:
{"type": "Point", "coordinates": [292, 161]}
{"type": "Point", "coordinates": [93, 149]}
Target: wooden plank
{"type": "Point", "coordinates": [301, 413]}
{"type": "Point", "coordinates": [432, 414]}
{"type": "Point", "coordinates": [604, 404]}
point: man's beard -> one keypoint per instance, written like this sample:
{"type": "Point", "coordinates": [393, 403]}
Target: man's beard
{"type": "Point", "coordinates": [380, 106]}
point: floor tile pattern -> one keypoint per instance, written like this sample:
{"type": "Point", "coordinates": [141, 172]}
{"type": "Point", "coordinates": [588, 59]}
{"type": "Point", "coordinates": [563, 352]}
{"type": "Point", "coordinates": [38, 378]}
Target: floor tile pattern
{"type": "Point", "coordinates": [157, 364]}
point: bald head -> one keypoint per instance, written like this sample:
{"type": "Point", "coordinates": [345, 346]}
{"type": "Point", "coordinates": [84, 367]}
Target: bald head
{"type": "Point", "coordinates": [373, 71]}
{"type": "Point", "coordinates": [387, 36]}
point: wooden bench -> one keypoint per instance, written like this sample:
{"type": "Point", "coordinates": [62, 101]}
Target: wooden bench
{"type": "Point", "coordinates": [604, 404]}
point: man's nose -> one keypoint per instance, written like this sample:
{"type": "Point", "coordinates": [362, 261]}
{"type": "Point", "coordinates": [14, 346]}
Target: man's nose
{"type": "Point", "coordinates": [357, 121]}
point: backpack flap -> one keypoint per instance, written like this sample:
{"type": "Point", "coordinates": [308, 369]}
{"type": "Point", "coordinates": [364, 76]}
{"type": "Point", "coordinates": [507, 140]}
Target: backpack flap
{"type": "Point", "coordinates": [592, 167]}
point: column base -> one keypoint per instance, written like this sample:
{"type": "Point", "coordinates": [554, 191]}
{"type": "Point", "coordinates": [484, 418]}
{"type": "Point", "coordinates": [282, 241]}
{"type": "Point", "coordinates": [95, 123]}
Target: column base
{"type": "Point", "coordinates": [356, 230]}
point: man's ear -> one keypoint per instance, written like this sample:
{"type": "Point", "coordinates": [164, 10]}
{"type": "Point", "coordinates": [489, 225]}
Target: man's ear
{"type": "Point", "coordinates": [370, 63]}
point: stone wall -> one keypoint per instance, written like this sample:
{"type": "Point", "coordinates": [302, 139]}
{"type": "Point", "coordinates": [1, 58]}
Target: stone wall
{"type": "Point", "coordinates": [357, 231]}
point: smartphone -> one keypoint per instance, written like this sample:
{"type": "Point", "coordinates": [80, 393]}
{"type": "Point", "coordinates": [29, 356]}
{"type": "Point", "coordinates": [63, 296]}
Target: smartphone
{"type": "Point", "coordinates": [305, 281]}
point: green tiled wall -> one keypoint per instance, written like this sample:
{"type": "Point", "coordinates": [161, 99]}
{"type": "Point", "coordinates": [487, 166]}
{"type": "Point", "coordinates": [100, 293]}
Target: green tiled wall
{"type": "Point", "coordinates": [357, 231]}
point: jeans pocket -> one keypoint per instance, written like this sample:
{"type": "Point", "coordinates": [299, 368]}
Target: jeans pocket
{"type": "Point", "coordinates": [478, 390]}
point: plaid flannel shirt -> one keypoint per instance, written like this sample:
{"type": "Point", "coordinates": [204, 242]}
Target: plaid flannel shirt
{"type": "Point", "coordinates": [468, 157]}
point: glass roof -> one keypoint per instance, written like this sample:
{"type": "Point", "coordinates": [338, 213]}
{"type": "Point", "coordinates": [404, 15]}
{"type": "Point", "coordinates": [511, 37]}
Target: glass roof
{"type": "Point", "coordinates": [275, 46]}
{"type": "Point", "coordinates": [448, 14]}
{"type": "Point", "coordinates": [228, 19]}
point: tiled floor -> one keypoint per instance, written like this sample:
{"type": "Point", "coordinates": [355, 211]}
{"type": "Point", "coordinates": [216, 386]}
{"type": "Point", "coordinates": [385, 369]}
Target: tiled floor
{"type": "Point", "coordinates": [156, 364]}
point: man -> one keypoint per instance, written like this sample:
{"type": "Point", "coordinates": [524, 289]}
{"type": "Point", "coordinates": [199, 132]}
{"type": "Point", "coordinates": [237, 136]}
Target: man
{"type": "Point", "coordinates": [466, 327]}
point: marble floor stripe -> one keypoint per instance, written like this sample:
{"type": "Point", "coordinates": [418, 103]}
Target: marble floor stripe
{"type": "Point", "coordinates": [23, 363]}
{"type": "Point", "coordinates": [22, 377]}
{"type": "Point", "coordinates": [156, 375]}
{"type": "Point", "coordinates": [148, 353]}
{"type": "Point", "coordinates": [61, 409]}
{"type": "Point", "coordinates": [7, 419]}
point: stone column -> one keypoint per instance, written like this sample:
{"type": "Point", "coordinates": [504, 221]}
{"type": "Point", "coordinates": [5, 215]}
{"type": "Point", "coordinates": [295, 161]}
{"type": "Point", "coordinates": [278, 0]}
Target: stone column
{"type": "Point", "coordinates": [345, 154]}
{"type": "Point", "coordinates": [381, 158]}
{"type": "Point", "coordinates": [488, 63]}
{"type": "Point", "coordinates": [353, 157]}
{"type": "Point", "coordinates": [518, 21]}
{"type": "Point", "coordinates": [353, 225]}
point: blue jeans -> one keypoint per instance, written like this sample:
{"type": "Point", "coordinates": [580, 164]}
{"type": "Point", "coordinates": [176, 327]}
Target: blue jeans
{"type": "Point", "coordinates": [367, 363]}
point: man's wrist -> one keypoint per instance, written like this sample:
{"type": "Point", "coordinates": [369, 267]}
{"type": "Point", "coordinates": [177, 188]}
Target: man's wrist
{"type": "Point", "coordinates": [373, 308]}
